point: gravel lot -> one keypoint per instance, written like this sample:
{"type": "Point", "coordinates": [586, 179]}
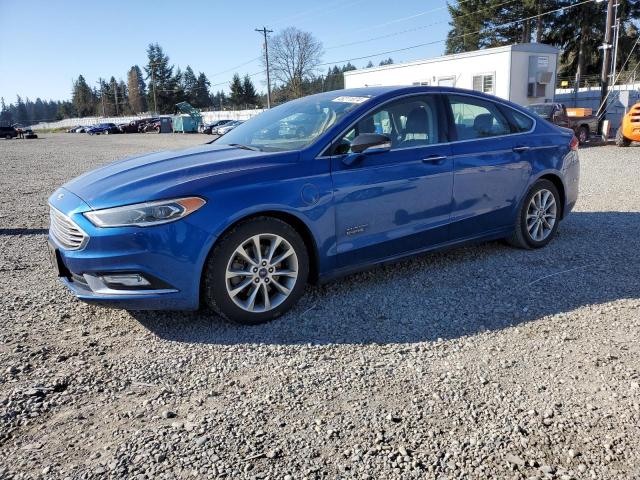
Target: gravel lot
{"type": "Point", "coordinates": [482, 362]}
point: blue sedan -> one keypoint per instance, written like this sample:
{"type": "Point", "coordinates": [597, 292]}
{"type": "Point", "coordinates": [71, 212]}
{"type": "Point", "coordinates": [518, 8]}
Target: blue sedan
{"type": "Point", "coordinates": [371, 175]}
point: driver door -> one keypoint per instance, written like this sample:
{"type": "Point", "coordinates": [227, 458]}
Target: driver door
{"type": "Point", "coordinates": [393, 202]}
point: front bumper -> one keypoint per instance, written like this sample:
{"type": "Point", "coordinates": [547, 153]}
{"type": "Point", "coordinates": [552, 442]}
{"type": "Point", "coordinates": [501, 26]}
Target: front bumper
{"type": "Point", "coordinates": [171, 255]}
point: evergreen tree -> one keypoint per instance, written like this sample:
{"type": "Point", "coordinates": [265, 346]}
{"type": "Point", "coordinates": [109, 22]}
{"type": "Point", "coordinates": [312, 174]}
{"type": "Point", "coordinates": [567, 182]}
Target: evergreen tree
{"type": "Point", "coordinates": [83, 98]}
{"type": "Point", "coordinates": [6, 116]}
{"type": "Point", "coordinates": [22, 115]}
{"type": "Point", "coordinates": [39, 112]}
{"type": "Point", "coordinates": [237, 91]}
{"type": "Point", "coordinates": [369, 65]}
{"type": "Point", "coordinates": [189, 84]}
{"type": "Point", "coordinates": [219, 100]}
{"type": "Point", "coordinates": [136, 90]}
{"type": "Point", "coordinates": [160, 74]}
{"type": "Point", "coordinates": [388, 61]}
{"type": "Point", "coordinates": [249, 95]}
{"type": "Point", "coordinates": [201, 97]}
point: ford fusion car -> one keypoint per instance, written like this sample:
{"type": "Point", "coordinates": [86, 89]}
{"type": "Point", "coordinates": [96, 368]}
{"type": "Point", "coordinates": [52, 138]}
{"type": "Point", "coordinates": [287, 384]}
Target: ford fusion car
{"type": "Point", "coordinates": [242, 224]}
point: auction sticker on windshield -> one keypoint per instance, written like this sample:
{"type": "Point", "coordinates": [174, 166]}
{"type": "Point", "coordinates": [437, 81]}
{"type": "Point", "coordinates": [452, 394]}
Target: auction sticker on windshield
{"type": "Point", "coordinates": [346, 99]}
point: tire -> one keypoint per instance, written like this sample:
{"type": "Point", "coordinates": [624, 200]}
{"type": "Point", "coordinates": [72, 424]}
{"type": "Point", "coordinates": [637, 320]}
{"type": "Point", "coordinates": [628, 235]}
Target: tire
{"type": "Point", "coordinates": [583, 135]}
{"type": "Point", "coordinates": [260, 278]}
{"type": "Point", "coordinates": [7, 136]}
{"type": "Point", "coordinates": [523, 236]}
{"type": "Point", "coordinates": [621, 140]}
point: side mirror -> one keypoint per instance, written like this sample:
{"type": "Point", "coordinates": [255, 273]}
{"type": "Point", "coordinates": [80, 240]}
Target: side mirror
{"type": "Point", "coordinates": [366, 144]}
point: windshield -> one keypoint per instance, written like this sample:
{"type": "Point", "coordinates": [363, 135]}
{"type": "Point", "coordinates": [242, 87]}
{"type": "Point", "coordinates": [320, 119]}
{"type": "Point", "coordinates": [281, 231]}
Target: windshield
{"type": "Point", "coordinates": [293, 125]}
{"type": "Point", "coordinates": [543, 110]}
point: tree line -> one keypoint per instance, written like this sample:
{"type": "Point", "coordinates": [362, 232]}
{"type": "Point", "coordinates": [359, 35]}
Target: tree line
{"type": "Point", "coordinates": [577, 31]}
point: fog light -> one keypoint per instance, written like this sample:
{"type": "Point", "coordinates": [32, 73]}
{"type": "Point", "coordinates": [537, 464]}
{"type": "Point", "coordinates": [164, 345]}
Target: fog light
{"type": "Point", "coordinates": [125, 280]}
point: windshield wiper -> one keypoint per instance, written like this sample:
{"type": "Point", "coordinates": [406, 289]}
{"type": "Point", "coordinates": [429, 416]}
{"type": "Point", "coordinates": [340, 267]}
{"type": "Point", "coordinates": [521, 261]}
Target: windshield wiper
{"type": "Point", "coordinates": [245, 147]}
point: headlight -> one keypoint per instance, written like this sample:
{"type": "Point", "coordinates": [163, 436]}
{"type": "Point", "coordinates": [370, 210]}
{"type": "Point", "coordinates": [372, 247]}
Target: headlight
{"type": "Point", "coordinates": [145, 214]}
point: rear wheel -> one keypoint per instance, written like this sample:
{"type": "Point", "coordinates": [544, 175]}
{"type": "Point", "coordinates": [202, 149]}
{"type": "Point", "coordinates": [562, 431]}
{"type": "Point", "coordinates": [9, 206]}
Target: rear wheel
{"type": "Point", "coordinates": [256, 272]}
{"type": "Point", "coordinates": [583, 134]}
{"type": "Point", "coordinates": [7, 136]}
{"type": "Point", "coordinates": [538, 218]}
{"type": "Point", "coordinates": [621, 140]}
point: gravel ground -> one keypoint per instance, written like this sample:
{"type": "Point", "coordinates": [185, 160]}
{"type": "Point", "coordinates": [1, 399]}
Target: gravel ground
{"type": "Point", "coordinates": [481, 362]}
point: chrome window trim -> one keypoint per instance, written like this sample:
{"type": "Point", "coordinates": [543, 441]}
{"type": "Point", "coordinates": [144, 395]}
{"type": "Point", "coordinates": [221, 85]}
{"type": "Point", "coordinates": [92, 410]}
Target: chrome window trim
{"type": "Point", "coordinates": [498, 101]}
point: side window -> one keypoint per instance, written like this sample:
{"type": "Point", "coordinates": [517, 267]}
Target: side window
{"type": "Point", "coordinates": [409, 122]}
{"type": "Point", "coordinates": [520, 121]}
{"type": "Point", "coordinates": [477, 118]}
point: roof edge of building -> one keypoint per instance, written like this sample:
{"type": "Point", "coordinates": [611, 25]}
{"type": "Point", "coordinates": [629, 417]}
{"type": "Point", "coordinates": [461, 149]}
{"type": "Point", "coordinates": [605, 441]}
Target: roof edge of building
{"type": "Point", "coordinates": [518, 47]}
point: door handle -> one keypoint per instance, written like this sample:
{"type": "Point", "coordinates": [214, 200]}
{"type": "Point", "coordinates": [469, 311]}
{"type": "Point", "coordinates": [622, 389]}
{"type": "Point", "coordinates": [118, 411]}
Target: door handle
{"type": "Point", "coordinates": [521, 149]}
{"type": "Point", "coordinates": [437, 159]}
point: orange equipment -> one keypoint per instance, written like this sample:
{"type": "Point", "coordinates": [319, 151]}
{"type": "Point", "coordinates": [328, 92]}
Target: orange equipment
{"type": "Point", "coordinates": [629, 130]}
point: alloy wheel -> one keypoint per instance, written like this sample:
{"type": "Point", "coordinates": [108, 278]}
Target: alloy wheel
{"type": "Point", "coordinates": [261, 272]}
{"type": "Point", "coordinates": [541, 215]}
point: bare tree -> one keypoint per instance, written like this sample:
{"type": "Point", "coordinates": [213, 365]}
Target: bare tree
{"type": "Point", "coordinates": [294, 55]}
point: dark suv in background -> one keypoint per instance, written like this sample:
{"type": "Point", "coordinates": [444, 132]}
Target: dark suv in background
{"type": "Point", "coordinates": [8, 132]}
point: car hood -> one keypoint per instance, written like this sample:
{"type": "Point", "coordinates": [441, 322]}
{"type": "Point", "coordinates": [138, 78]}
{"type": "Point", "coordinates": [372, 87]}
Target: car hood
{"type": "Point", "coordinates": [170, 174]}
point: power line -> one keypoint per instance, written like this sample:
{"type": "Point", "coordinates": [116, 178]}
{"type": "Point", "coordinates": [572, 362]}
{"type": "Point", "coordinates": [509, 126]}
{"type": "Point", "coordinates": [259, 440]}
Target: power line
{"type": "Point", "coordinates": [403, 19]}
{"type": "Point", "coordinates": [422, 27]}
{"type": "Point", "coordinates": [457, 36]}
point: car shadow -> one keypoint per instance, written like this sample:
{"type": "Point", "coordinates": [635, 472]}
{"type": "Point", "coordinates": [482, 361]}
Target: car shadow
{"type": "Point", "coordinates": [445, 295]}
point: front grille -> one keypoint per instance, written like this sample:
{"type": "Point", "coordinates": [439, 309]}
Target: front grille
{"type": "Point", "coordinates": [66, 231]}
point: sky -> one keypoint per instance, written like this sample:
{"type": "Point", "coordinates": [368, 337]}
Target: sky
{"type": "Point", "coordinates": [45, 46]}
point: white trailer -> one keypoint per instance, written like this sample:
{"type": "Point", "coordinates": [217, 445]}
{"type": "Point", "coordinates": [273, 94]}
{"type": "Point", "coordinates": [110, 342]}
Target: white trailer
{"type": "Point", "coordinates": [523, 73]}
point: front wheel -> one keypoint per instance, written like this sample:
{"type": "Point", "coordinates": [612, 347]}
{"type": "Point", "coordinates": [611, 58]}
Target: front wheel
{"type": "Point", "coordinates": [621, 141]}
{"type": "Point", "coordinates": [538, 218]}
{"type": "Point", "coordinates": [256, 272]}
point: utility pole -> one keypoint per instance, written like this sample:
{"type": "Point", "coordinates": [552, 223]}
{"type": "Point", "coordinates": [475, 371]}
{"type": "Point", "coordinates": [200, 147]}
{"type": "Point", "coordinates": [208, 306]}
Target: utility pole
{"type": "Point", "coordinates": [153, 82]}
{"type": "Point", "coordinates": [606, 56]}
{"type": "Point", "coordinates": [115, 91]}
{"type": "Point", "coordinates": [102, 96]}
{"type": "Point", "coordinates": [264, 32]}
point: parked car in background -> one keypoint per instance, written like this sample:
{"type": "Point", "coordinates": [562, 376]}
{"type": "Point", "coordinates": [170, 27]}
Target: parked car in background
{"type": "Point", "coordinates": [556, 113]}
{"type": "Point", "coordinates": [73, 129]}
{"type": "Point", "coordinates": [8, 132]}
{"type": "Point", "coordinates": [103, 128]}
{"type": "Point", "coordinates": [227, 127]}
{"type": "Point", "coordinates": [209, 128]}
{"type": "Point", "coordinates": [83, 128]}
{"type": "Point", "coordinates": [133, 126]}
{"type": "Point", "coordinates": [150, 125]}
{"type": "Point", "coordinates": [243, 223]}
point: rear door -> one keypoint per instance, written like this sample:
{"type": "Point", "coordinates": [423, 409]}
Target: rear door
{"type": "Point", "coordinates": [396, 201]}
{"type": "Point", "coordinates": [490, 167]}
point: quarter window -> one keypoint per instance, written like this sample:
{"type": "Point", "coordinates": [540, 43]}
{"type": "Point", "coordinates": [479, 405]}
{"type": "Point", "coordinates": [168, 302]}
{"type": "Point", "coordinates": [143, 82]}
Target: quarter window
{"type": "Point", "coordinates": [477, 118]}
{"type": "Point", "coordinates": [520, 121]}
{"type": "Point", "coordinates": [409, 122]}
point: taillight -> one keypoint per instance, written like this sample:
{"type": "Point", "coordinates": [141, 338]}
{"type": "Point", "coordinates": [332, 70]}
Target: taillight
{"type": "Point", "coordinates": [573, 145]}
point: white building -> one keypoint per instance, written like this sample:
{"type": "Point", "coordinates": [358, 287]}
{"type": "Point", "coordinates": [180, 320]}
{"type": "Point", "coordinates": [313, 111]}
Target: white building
{"type": "Point", "coordinates": [523, 73]}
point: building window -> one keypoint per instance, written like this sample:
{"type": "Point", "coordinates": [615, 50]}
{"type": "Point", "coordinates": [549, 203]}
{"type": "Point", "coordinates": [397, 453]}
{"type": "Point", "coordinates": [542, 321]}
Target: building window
{"type": "Point", "coordinates": [447, 81]}
{"type": "Point", "coordinates": [484, 83]}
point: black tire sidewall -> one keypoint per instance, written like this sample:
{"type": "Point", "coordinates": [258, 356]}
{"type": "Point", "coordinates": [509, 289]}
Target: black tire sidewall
{"type": "Point", "coordinates": [214, 284]}
{"type": "Point", "coordinates": [539, 185]}
{"type": "Point", "coordinates": [586, 134]}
